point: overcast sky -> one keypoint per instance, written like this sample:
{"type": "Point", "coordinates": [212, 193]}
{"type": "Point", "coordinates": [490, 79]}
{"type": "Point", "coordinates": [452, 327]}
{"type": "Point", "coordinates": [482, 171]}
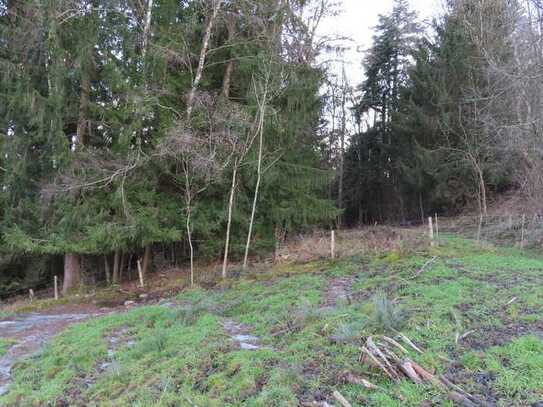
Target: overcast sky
{"type": "Point", "coordinates": [357, 21]}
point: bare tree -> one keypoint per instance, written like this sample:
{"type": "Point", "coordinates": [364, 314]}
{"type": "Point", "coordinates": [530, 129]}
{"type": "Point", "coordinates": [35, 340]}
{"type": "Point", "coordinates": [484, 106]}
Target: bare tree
{"type": "Point", "coordinates": [262, 100]}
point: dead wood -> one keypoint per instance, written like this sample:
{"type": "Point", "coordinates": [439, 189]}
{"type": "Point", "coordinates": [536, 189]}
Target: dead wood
{"type": "Point", "coordinates": [383, 353]}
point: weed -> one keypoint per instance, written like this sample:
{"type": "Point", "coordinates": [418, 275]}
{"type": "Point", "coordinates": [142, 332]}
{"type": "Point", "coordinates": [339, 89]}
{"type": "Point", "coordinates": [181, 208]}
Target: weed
{"type": "Point", "coordinates": [387, 315]}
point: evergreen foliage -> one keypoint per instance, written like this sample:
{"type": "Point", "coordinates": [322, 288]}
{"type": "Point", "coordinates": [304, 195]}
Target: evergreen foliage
{"type": "Point", "coordinates": [90, 96]}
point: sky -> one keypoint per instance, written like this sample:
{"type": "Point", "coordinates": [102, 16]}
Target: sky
{"type": "Point", "coordinates": [357, 21]}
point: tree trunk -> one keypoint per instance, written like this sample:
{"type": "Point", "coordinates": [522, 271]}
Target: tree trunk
{"type": "Point", "coordinates": [116, 259]}
{"type": "Point", "coordinates": [146, 255]}
{"type": "Point", "coordinates": [262, 112]}
{"type": "Point", "coordinates": [229, 223]}
{"type": "Point", "coordinates": [227, 79]}
{"type": "Point", "coordinates": [188, 207]}
{"type": "Point", "coordinates": [342, 146]}
{"type": "Point", "coordinates": [203, 53]}
{"type": "Point", "coordinates": [147, 27]}
{"type": "Point", "coordinates": [82, 121]}
{"type": "Point", "coordinates": [72, 272]}
{"type": "Point", "coordinates": [122, 266]}
{"type": "Point", "coordinates": [106, 266]}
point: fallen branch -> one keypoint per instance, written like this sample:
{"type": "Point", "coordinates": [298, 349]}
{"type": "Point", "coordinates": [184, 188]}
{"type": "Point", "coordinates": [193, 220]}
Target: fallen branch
{"type": "Point", "coordinates": [341, 400]}
{"type": "Point", "coordinates": [352, 379]}
{"type": "Point", "coordinates": [385, 356]}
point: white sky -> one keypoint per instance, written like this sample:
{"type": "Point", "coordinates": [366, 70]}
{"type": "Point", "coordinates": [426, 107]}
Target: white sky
{"type": "Point", "coordinates": [357, 21]}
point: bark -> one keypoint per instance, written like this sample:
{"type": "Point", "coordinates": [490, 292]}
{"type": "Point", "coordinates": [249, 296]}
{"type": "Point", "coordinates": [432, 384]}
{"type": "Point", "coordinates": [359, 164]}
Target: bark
{"type": "Point", "coordinates": [81, 138]}
{"type": "Point", "coordinates": [106, 267]}
{"type": "Point", "coordinates": [116, 260]}
{"type": "Point", "coordinates": [342, 146]}
{"type": "Point", "coordinates": [72, 272]}
{"type": "Point", "coordinates": [122, 266]}
{"type": "Point", "coordinates": [146, 256]}
{"type": "Point", "coordinates": [229, 223]}
{"type": "Point", "coordinates": [227, 79]}
{"type": "Point", "coordinates": [203, 53]}
{"type": "Point", "coordinates": [188, 206]}
{"type": "Point", "coordinates": [147, 27]}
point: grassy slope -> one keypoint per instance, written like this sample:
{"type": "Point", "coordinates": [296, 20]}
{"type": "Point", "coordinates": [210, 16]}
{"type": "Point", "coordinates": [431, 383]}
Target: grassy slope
{"type": "Point", "coordinates": [183, 357]}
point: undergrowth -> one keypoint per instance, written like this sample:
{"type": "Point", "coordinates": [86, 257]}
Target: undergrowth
{"type": "Point", "coordinates": [458, 310]}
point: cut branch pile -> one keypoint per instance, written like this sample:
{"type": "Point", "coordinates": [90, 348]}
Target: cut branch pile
{"type": "Point", "coordinates": [392, 358]}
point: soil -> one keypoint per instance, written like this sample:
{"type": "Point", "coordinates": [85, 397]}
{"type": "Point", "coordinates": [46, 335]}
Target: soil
{"type": "Point", "coordinates": [338, 290]}
{"type": "Point", "coordinates": [31, 331]}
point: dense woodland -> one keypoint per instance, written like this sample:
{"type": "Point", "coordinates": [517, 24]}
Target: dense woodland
{"type": "Point", "coordinates": [166, 131]}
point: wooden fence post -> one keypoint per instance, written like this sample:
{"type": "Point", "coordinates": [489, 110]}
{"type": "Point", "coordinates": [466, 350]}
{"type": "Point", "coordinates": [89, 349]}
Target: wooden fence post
{"type": "Point", "coordinates": [56, 287]}
{"type": "Point", "coordinates": [333, 244]}
{"type": "Point", "coordinates": [431, 230]}
{"type": "Point", "coordinates": [140, 273]}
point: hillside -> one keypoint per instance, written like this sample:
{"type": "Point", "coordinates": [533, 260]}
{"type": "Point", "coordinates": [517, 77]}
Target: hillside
{"type": "Point", "coordinates": [292, 335]}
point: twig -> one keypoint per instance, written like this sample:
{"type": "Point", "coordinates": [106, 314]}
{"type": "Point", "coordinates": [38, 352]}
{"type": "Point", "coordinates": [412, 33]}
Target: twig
{"type": "Point", "coordinates": [419, 272]}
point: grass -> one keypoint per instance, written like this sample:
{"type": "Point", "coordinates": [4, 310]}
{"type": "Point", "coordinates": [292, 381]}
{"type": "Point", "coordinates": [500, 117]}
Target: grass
{"type": "Point", "coordinates": [5, 344]}
{"type": "Point", "coordinates": [458, 310]}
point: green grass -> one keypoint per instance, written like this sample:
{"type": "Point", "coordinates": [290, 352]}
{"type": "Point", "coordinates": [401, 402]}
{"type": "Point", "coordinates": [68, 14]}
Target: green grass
{"type": "Point", "coordinates": [183, 357]}
{"type": "Point", "coordinates": [5, 344]}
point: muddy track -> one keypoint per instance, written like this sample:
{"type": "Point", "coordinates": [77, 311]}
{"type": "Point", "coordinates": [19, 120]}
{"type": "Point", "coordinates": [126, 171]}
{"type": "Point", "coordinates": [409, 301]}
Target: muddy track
{"type": "Point", "coordinates": [29, 333]}
{"type": "Point", "coordinates": [338, 290]}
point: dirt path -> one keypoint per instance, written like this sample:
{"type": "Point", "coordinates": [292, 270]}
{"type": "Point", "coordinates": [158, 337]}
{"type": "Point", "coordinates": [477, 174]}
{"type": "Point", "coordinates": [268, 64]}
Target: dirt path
{"type": "Point", "coordinates": [338, 290]}
{"type": "Point", "coordinates": [241, 335]}
{"type": "Point", "coordinates": [30, 332]}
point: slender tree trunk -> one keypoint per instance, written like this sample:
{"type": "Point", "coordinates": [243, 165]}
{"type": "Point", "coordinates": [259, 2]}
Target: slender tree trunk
{"type": "Point", "coordinates": [229, 222]}
{"type": "Point", "coordinates": [106, 268]}
{"type": "Point", "coordinates": [122, 266]}
{"type": "Point", "coordinates": [203, 53]}
{"type": "Point", "coordinates": [227, 79]}
{"type": "Point", "coordinates": [255, 199]}
{"type": "Point", "coordinates": [116, 260]}
{"type": "Point", "coordinates": [72, 272]}
{"type": "Point", "coordinates": [191, 248]}
{"type": "Point", "coordinates": [147, 27]}
{"type": "Point", "coordinates": [188, 206]}
{"type": "Point", "coordinates": [129, 267]}
{"type": "Point", "coordinates": [262, 113]}
{"type": "Point", "coordinates": [83, 122]}
{"type": "Point", "coordinates": [342, 146]}
{"type": "Point", "coordinates": [146, 256]}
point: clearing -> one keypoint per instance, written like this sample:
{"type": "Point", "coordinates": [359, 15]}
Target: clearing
{"type": "Point", "coordinates": [292, 335]}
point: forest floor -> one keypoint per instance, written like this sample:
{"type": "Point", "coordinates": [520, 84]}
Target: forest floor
{"type": "Point", "coordinates": [292, 335]}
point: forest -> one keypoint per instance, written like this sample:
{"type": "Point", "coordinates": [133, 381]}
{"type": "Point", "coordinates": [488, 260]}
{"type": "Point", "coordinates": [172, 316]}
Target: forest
{"type": "Point", "coordinates": [139, 133]}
